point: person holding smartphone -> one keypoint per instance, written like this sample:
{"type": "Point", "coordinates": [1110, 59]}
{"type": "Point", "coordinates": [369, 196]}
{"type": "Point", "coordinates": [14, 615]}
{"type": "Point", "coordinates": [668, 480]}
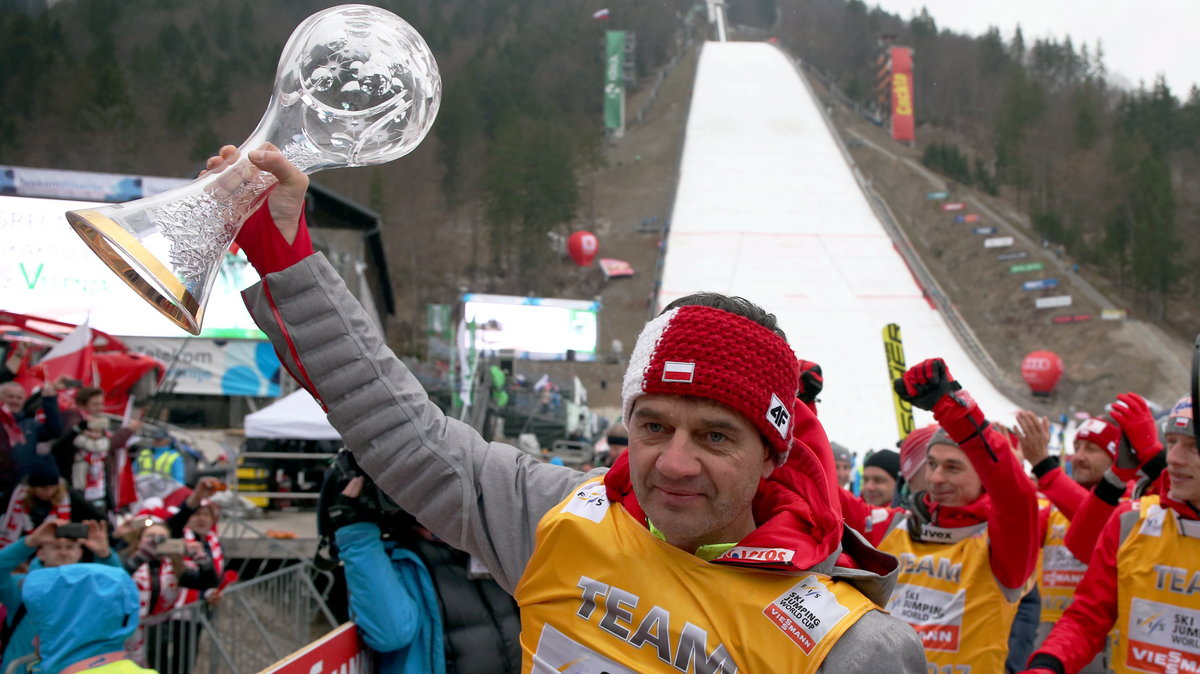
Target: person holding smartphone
{"type": "Point", "coordinates": [161, 574]}
{"type": "Point", "coordinates": [52, 544]}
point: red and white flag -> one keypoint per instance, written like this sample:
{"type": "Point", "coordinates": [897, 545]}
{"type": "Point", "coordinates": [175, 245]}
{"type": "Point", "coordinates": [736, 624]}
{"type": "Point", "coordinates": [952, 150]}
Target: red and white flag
{"type": "Point", "coordinates": [71, 357]}
{"type": "Point", "coordinates": [600, 14]}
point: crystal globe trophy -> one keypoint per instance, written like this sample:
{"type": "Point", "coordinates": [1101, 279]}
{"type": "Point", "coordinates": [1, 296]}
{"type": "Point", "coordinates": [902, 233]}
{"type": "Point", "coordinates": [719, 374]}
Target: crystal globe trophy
{"type": "Point", "coordinates": [356, 86]}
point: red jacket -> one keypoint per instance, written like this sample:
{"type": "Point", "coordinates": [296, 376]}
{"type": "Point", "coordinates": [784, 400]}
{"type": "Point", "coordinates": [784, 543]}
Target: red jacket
{"type": "Point", "coordinates": [1009, 506]}
{"type": "Point", "coordinates": [1080, 633]}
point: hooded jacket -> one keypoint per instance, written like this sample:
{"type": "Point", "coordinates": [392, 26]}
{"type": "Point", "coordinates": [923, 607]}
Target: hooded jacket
{"type": "Point", "coordinates": [487, 498]}
{"type": "Point", "coordinates": [79, 611]}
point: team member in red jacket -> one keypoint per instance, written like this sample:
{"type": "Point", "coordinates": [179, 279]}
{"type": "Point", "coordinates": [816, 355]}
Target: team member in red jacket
{"type": "Point", "coordinates": [967, 547]}
{"type": "Point", "coordinates": [1144, 576]}
{"type": "Point", "coordinates": [1095, 447]}
{"type": "Point", "coordinates": [1142, 456]}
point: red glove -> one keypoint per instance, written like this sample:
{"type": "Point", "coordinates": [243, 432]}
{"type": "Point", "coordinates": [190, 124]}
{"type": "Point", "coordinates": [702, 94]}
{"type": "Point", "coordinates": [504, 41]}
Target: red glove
{"type": "Point", "coordinates": [930, 386]}
{"type": "Point", "coordinates": [1139, 435]}
{"type": "Point", "coordinates": [925, 383]}
{"type": "Point", "coordinates": [1038, 670]}
{"type": "Point", "coordinates": [811, 381]}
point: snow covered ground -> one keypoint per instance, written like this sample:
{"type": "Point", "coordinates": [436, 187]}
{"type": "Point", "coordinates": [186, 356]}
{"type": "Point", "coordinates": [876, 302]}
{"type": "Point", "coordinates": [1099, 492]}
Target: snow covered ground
{"type": "Point", "coordinates": [767, 208]}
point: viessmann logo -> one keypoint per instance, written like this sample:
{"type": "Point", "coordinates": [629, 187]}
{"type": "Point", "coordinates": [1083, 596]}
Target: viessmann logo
{"type": "Point", "coordinates": [901, 88]}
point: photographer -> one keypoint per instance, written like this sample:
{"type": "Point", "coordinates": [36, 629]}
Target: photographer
{"type": "Point", "coordinates": [162, 575]}
{"type": "Point", "coordinates": [435, 615]}
{"type": "Point", "coordinates": [55, 543]}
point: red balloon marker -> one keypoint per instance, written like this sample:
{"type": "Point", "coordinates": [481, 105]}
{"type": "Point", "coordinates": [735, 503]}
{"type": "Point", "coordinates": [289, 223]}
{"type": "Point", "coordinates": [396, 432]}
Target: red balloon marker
{"type": "Point", "coordinates": [1041, 370]}
{"type": "Point", "coordinates": [583, 247]}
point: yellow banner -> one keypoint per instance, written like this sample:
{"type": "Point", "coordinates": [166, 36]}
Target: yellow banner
{"type": "Point", "coordinates": [893, 349]}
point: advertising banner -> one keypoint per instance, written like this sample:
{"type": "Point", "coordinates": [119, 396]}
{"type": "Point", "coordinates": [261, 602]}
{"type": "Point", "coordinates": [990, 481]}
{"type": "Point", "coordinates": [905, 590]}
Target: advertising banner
{"type": "Point", "coordinates": [983, 230]}
{"type": "Point", "coordinates": [903, 124]}
{"type": "Point", "coordinates": [1024, 267]}
{"type": "Point", "coordinates": [230, 367]}
{"type": "Point", "coordinates": [614, 268]}
{"type": "Point", "coordinates": [50, 272]}
{"type": "Point", "coordinates": [1112, 315]}
{"type": "Point", "coordinates": [998, 242]}
{"type": "Point", "coordinates": [953, 206]}
{"type": "Point", "coordinates": [342, 651]}
{"type": "Point", "coordinates": [1053, 302]}
{"type": "Point", "coordinates": [1040, 284]}
{"type": "Point", "coordinates": [1077, 318]}
{"type": "Point", "coordinates": [1015, 255]}
{"type": "Point", "coordinates": [614, 85]}
{"type": "Point", "coordinates": [933, 196]}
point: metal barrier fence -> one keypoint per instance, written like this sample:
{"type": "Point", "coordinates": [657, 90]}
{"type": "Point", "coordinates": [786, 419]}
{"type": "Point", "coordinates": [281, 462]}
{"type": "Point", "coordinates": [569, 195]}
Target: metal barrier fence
{"type": "Point", "coordinates": [255, 624]}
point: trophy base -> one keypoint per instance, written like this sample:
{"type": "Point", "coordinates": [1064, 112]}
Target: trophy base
{"type": "Point", "coordinates": [138, 267]}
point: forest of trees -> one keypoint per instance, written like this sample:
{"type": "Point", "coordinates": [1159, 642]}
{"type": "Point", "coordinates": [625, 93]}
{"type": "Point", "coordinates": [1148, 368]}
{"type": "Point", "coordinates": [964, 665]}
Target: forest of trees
{"type": "Point", "coordinates": [1105, 169]}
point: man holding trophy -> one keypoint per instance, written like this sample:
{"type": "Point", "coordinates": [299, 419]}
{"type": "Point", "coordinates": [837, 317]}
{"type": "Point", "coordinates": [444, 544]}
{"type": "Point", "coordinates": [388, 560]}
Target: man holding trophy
{"type": "Point", "coordinates": [712, 540]}
{"type": "Point", "coordinates": [699, 519]}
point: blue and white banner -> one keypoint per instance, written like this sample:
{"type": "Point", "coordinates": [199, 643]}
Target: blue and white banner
{"type": "Point", "coordinates": [1040, 284]}
{"type": "Point", "coordinates": [230, 367]}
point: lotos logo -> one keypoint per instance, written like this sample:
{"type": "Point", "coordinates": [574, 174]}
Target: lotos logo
{"type": "Point", "coordinates": [747, 554]}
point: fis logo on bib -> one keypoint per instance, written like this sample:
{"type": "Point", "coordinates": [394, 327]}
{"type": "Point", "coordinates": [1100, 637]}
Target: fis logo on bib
{"type": "Point", "coordinates": [806, 613]}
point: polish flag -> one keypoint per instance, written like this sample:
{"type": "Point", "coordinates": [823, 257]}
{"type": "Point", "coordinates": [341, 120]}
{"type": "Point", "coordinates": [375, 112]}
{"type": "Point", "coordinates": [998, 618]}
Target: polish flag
{"type": "Point", "coordinates": [601, 14]}
{"type": "Point", "coordinates": [71, 357]}
{"type": "Point", "coordinates": [681, 373]}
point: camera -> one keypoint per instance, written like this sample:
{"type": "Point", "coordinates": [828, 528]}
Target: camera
{"type": "Point", "coordinates": [374, 504]}
{"type": "Point", "coordinates": [75, 530]}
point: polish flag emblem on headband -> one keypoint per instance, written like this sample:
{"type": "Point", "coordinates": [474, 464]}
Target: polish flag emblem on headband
{"type": "Point", "coordinates": [680, 373]}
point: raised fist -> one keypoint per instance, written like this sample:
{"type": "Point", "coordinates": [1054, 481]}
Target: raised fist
{"type": "Point", "coordinates": [925, 383]}
{"type": "Point", "coordinates": [811, 381]}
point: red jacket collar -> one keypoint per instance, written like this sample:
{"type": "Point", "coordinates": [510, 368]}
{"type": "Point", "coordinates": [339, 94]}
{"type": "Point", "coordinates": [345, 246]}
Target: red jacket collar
{"type": "Point", "coordinates": [952, 517]}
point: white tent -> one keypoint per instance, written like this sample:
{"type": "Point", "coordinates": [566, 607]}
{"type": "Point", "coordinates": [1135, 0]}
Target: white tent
{"type": "Point", "coordinates": [296, 416]}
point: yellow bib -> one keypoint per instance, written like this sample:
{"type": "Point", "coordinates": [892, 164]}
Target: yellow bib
{"type": "Point", "coordinates": [1060, 572]}
{"type": "Point", "coordinates": [602, 594]}
{"type": "Point", "coordinates": [1158, 581]}
{"type": "Point", "coordinates": [947, 592]}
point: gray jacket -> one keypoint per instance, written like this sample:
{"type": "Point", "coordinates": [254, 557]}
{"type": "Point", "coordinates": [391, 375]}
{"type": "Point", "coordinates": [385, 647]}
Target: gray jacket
{"type": "Point", "coordinates": [483, 497]}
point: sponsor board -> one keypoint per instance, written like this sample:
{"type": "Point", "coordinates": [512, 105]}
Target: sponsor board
{"type": "Point", "coordinates": [1112, 315]}
{"type": "Point", "coordinates": [1076, 318]}
{"type": "Point", "coordinates": [1015, 255]}
{"type": "Point", "coordinates": [983, 230]}
{"type": "Point", "coordinates": [1024, 267]}
{"type": "Point", "coordinates": [1052, 302]}
{"type": "Point", "coordinates": [341, 651]}
{"type": "Point", "coordinates": [1040, 284]}
{"type": "Point", "coordinates": [998, 242]}
{"type": "Point", "coordinates": [937, 195]}
{"type": "Point", "coordinates": [954, 206]}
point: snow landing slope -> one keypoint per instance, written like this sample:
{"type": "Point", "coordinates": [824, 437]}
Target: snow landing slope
{"type": "Point", "coordinates": [767, 208]}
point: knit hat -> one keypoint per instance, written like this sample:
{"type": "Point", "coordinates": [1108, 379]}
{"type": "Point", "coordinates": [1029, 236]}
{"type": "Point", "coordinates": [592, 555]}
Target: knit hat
{"type": "Point", "coordinates": [914, 448]}
{"type": "Point", "coordinates": [1179, 419]}
{"type": "Point", "coordinates": [1101, 432]}
{"type": "Point", "coordinates": [714, 354]}
{"type": "Point", "coordinates": [43, 474]}
{"type": "Point", "coordinates": [887, 460]}
{"type": "Point", "coordinates": [840, 453]}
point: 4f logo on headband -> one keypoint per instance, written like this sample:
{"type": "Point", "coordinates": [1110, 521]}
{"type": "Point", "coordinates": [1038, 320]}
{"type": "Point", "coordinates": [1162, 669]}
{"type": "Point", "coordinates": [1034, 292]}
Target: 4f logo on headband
{"type": "Point", "coordinates": [679, 373]}
{"type": "Point", "coordinates": [779, 416]}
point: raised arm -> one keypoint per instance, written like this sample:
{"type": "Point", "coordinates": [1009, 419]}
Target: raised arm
{"type": "Point", "coordinates": [1012, 517]}
{"type": "Point", "coordinates": [485, 498]}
